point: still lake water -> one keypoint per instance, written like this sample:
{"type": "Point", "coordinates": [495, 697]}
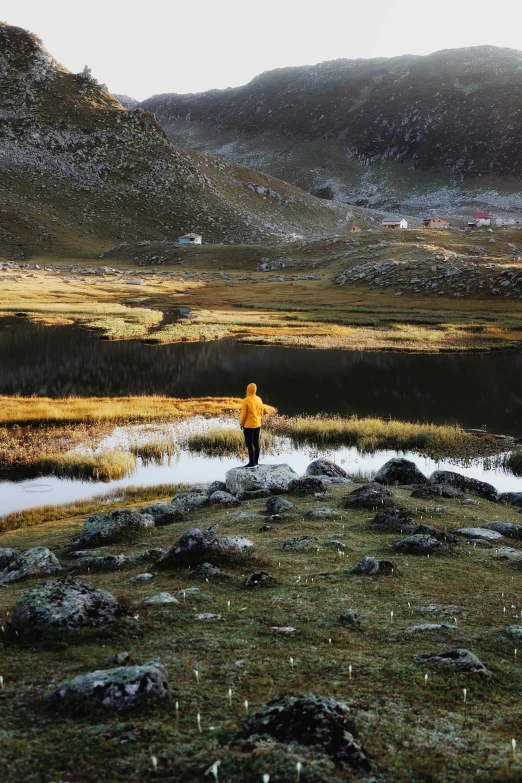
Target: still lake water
{"type": "Point", "coordinates": [469, 389]}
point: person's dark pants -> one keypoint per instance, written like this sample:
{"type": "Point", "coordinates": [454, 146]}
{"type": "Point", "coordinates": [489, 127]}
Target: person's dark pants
{"type": "Point", "coordinates": [252, 444]}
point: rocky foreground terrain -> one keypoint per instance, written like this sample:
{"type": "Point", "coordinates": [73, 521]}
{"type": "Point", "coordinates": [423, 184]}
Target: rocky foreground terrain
{"type": "Point", "coordinates": [269, 627]}
{"type": "Point", "coordinates": [413, 133]}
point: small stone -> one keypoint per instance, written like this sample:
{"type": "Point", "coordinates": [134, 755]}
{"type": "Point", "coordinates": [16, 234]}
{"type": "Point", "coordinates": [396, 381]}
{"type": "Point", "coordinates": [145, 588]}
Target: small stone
{"type": "Point", "coordinates": [275, 504]}
{"type": "Point", "coordinates": [207, 617]}
{"type": "Point", "coordinates": [370, 496]}
{"type": "Point", "coordinates": [253, 494]}
{"type": "Point", "coordinates": [301, 543]}
{"type": "Point", "coordinates": [323, 512]}
{"type": "Point", "coordinates": [259, 579]}
{"type": "Point", "coordinates": [370, 566]}
{"type": "Point", "coordinates": [437, 491]}
{"type": "Point", "coordinates": [216, 486]}
{"type": "Point", "coordinates": [400, 471]}
{"type": "Point", "coordinates": [145, 577]}
{"type": "Point", "coordinates": [515, 631]}
{"type": "Point", "coordinates": [206, 571]}
{"type": "Point", "coordinates": [150, 555]}
{"type": "Point", "coordinates": [244, 516]}
{"type": "Point", "coordinates": [419, 545]}
{"type": "Point", "coordinates": [163, 513]}
{"type": "Point", "coordinates": [349, 617]}
{"type": "Point", "coordinates": [119, 659]}
{"type": "Point", "coordinates": [118, 688]}
{"type": "Point", "coordinates": [7, 556]}
{"type": "Point", "coordinates": [223, 499]}
{"type": "Point", "coordinates": [509, 552]}
{"type": "Point", "coordinates": [265, 528]}
{"type": "Point", "coordinates": [395, 519]}
{"type": "Point", "coordinates": [162, 598]}
{"type": "Point", "coordinates": [461, 659]}
{"type": "Point", "coordinates": [479, 532]}
{"type": "Point", "coordinates": [324, 467]}
{"type": "Point", "coordinates": [102, 563]}
{"type": "Point", "coordinates": [286, 629]}
{"type": "Point", "coordinates": [429, 627]}
{"type": "Point", "coordinates": [188, 592]}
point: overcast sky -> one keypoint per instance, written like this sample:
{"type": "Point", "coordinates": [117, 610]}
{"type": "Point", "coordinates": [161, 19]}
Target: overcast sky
{"type": "Point", "coordinates": [153, 46]}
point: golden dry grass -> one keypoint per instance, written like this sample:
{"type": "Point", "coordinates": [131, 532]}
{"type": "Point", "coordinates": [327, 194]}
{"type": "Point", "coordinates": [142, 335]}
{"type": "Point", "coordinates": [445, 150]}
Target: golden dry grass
{"type": "Point", "coordinates": [109, 465]}
{"type": "Point", "coordinates": [91, 410]}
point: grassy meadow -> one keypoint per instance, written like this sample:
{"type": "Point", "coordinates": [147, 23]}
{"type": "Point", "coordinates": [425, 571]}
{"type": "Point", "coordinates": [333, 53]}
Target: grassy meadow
{"type": "Point", "coordinates": [230, 296]}
{"type": "Point", "coordinates": [412, 729]}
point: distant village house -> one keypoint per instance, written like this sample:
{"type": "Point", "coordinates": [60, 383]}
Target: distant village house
{"type": "Point", "coordinates": [395, 223]}
{"type": "Point", "coordinates": [191, 239]}
{"type": "Point", "coordinates": [480, 219]}
{"type": "Point", "coordinates": [436, 222]}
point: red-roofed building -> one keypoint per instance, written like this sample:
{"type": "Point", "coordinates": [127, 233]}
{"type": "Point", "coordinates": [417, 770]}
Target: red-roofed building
{"type": "Point", "coordinates": [481, 219]}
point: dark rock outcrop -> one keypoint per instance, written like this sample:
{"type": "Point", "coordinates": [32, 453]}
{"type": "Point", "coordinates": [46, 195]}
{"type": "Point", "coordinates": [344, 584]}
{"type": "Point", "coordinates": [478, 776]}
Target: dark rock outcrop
{"type": "Point", "coordinates": [370, 496]}
{"type": "Point", "coordinates": [370, 566]}
{"type": "Point", "coordinates": [400, 471]}
{"type": "Point", "coordinates": [395, 519]}
{"type": "Point", "coordinates": [115, 526]}
{"type": "Point", "coordinates": [33, 562]}
{"type": "Point", "coordinates": [419, 544]}
{"type": "Point", "coordinates": [460, 659]}
{"type": "Point", "coordinates": [466, 484]}
{"type": "Point", "coordinates": [325, 467]}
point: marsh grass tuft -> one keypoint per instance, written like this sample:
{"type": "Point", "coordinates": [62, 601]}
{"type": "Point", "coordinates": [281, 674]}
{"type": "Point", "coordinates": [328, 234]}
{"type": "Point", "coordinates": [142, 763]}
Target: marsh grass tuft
{"type": "Point", "coordinates": [513, 462]}
{"type": "Point", "coordinates": [155, 450]}
{"type": "Point", "coordinates": [107, 465]}
{"type": "Point", "coordinates": [222, 440]}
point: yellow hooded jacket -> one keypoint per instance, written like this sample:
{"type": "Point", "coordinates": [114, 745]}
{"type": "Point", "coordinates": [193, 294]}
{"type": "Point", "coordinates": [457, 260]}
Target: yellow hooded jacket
{"type": "Point", "coordinates": [252, 409]}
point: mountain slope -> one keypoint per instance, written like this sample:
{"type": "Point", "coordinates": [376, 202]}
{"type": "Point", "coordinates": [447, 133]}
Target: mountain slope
{"type": "Point", "coordinates": [441, 127]}
{"type": "Point", "coordinates": [79, 171]}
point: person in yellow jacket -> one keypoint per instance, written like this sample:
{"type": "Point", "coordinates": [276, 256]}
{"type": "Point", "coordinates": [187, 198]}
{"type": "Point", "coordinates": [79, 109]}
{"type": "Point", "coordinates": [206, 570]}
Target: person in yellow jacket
{"type": "Point", "coordinates": [252, 410]}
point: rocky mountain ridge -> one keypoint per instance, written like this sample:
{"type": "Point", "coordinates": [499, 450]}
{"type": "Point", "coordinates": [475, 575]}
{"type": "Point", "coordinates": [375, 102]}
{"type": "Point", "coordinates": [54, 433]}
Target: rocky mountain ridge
{"type": "Point", "coordinates": [78, 170]}
{"type": "Point", "coordinates": [412, 133]}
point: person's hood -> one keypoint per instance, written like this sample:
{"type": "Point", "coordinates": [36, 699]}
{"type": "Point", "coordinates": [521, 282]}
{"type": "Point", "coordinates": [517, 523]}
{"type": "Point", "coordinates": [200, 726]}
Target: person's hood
{"type": "Point", "coordinates": [251, 388]}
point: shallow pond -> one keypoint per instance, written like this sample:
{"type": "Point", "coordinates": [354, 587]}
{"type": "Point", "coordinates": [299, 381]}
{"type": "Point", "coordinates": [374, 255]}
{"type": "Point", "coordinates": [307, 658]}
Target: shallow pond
{"type": "Point", "coordinates": [468, 389]}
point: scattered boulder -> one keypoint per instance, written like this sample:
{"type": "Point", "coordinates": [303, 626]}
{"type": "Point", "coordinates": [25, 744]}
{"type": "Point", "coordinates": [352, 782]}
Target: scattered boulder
{"type": "Point", "coordinates": [163, 513]}
{"type": "Point", "coordinates": [206, 571]}
{"type": "Point", "coordinates": [419, 544]}
{"type": "Point", "coordinates": [274, 478]}
{"type": "Point", "coordinates": [100, 529]}
{"type": "Point", "coordinates": [460, 659]}
{"type": "Point", "coordinates": [244, 516]}
{"type": "Point", "coordinates": [479, 532]}
{"type": "Point", "coordinates": [216, 486]}
{"type": "Point", "coordinates": [32, 562]}
{"type": "Point", "coordinates": [103, 563]}
{"type": "Point", "coordinates": [145, 577]}
{"type": "Point", "coordinates": [513, 498]}
{"type": "Point", "coordinates": [323, 512]}
{"type": "Point", "coordinates": [349, 617]}
{"type": "Point", "coordinates": [275, 504]}
{"type": "Point", "coordinates": [370, 496]}
{"type": "Point", "coordinates": [324, 467]}
{"type": "Point", "coordinates": [254, 494]}
{"type": "Point", "coordinates": [63, 605]}
{"type": "Point", "coordinates": [223, 499]}
{"type": "Point", "coordinates": [184, 502]}
{"type": "Point", "coordinates": [515, 631]}
{"type": "Point", "coordinates": [509, 552]}
{"type": "Point", "coordinates": [7, 556]}
{"type": "Point", "coordinates": [198, 543]}
{"type": "Point", "coordinates": [370, 566]}
{"type": "Point", "coordinates": [429, 627]}
{"type": "Point", "coordinates": [333, 542]}
{"type": "Point", "coordinates": [400, 471]}
{"type": "Point", "coordinates": [207, 617]}
{"type": "Point", "coordinates": [119, 659]}
{"type": "Point", "coordinates": [299, 544]}
{"type": "Point", "coordinates": [119, 689]}
{"type": "Point", "coordinates": [312, 721]}
{"type": "Point", "coordinates": [429, 491]}
{"type": "Point", "coordinates": [162, 598]}
{"type": "Point", "coordinates": [440, 535]}
{"type": "Point", "coordinates": [258, 580]}
{"type": "Point", "coordinates": [508, 529]}
{"type": "Point", "coordinates": [466, 484]}
{"type": "Point", "coordinates": [395, 519]}
{"type": "Point", "coordinates": [307, 485]}
{"type": "Point", "coordinates": [150, 555]}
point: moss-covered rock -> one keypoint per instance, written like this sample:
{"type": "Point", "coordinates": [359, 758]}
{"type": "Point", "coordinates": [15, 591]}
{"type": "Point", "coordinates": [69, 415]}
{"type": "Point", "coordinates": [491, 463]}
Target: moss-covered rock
{"type": "Point", "coordinates": [508, 529]}
{"type": "Point", "coordinates": [461, 659]}
{"type": "Point", "coordinates": [325, 467]}
{"type": "Point", "coordinates": [370, 566]}
{"type": "Point", "coordinates": [163, 513]}
{"type": "Point", "coordinates": [278, 505]}
{"type": "Point", "coordinates": [32, 562]}
{"type": "Point", "coordinates": [395, 519]}
{"type": "Point", "coordinates": [466, 484]}
{"type": "Point", "coordinates": [419, 545]}
{"type": "Point", "coordinates": [196, 543]}
{"type": "Point", "coordinates": [7, 556]}
{"type": "Point", "coordinates": [100, 529]}
{"type": "Point", "coordinates": [274, 478]}
{"type": "Point", "coordinates": [119, 688]}
{"type": "Point", "coordinates": [63, 605]}
{"type": "Point", "coordinates": [103, 563]}
{"type": "Point", "coordinates": [312, 721]}
{"type": "Point", "coordinates": [306, 485]}
{"type": "Point", "coordinates": [370, 496]}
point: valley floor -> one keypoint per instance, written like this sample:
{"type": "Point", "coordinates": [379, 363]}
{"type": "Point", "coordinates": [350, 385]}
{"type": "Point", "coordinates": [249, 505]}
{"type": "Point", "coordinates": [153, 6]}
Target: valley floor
{"type": "Point", "coordinates": [416, 291]}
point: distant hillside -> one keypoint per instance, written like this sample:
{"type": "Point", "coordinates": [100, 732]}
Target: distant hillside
{"type": "Point", "coordinates": [127, 101]}
{"type": "Point", "coordinates": [408, 132]}
{"type": "Point", "coordinates": [78, 171]}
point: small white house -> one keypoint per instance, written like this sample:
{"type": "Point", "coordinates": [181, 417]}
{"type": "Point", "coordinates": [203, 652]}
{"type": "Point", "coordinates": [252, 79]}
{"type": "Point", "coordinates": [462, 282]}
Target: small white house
{"type": "Point", "coordinates": [395, 223]}
{"type": "Point", "coordinates": [191, 239]}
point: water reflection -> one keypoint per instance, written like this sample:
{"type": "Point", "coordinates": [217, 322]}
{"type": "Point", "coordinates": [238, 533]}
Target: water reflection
{"type": "Point", "coordinates": [469, 389]}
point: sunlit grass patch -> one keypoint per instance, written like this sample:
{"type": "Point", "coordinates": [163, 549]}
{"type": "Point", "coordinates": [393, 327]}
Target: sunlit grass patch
{"type": "Point", "coordinates": [154, 450]}
{"type": "Point", "coordinates": [109, 465]}
{"type": "Point", "coordinates": [221, 440]}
